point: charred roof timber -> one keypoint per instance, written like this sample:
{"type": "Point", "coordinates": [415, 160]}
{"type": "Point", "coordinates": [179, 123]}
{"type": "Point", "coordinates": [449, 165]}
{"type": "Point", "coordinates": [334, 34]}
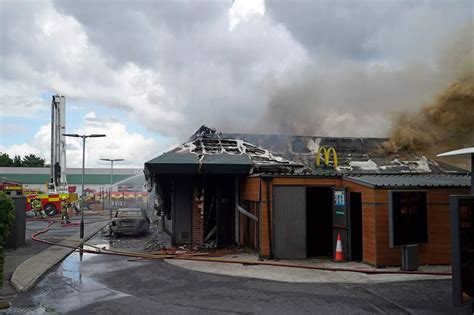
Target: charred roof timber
{"type": "Point", "coordinates": [210, 152]}
{"type": "Point", "coordinates": [355, 155]}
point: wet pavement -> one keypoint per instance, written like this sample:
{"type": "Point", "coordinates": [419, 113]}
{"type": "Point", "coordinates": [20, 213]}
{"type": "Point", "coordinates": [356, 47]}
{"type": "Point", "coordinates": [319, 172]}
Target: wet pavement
{"type": "Point", "coordinates": [104, 284]}
{"type": "Point", "coordinates": [57, 232]}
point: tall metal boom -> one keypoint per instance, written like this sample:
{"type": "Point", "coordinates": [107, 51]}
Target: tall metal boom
{"type": "Point", "coordinates": [58, 179]}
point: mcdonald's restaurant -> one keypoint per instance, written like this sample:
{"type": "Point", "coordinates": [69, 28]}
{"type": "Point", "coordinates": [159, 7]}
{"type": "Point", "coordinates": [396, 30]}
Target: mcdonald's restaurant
{"type": "Point", "coordinates": [293, 197]}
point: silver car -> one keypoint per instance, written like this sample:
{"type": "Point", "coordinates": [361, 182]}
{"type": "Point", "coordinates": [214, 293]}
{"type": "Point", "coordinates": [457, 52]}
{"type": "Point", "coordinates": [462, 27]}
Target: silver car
{"type": "Point", "coordinates": [129, 221]}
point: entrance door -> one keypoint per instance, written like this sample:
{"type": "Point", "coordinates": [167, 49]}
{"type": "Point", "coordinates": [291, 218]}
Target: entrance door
{"type": "Point", "coordinates": [225, 207]}
{"type": "Point", "coordinates": [289, 222]}
{"type": "Point", "coordinates": [356, 226]}
{"type": "Point", "coordinates": [319, 221]}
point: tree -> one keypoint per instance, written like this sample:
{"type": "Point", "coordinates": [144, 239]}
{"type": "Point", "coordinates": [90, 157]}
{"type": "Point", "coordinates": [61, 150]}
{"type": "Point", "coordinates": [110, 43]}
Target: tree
{"type": "Point", "coordinates": [5, 160]}
{"type": "Point", "coordinates": [17, 161]}
{"type": "Point", "coordinates": [32, 160]}
{"type": "Point", "coordinates": [6, 220]}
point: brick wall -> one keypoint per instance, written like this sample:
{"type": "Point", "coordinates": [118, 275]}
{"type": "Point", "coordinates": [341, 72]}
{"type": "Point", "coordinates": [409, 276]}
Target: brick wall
{"type": "Point", "coordinates": [197, 220]}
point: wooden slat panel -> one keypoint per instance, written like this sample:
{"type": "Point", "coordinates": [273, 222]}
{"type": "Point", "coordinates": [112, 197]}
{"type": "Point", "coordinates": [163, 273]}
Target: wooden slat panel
{"type": "Point", "coordinates": [322, 181]}
{"type": "Point", "coordinates": [367, 192]}
{"type": "Point", "coordinates": [306, 181]}
{"type": "Point", "coordinates": [264, 241]}
{"type": "Point", "coordinates": [368, 234]}
{"type": "Point", "coordinates": [438, 248]}
{"type": "Point", "coordinates": [442, 195]}
{"type": "Point", "coordinates": [250, 189]}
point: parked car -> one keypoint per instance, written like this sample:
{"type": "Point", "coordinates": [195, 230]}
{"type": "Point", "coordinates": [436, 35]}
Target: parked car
{"type": "Point", "coordinates": [129, 221]}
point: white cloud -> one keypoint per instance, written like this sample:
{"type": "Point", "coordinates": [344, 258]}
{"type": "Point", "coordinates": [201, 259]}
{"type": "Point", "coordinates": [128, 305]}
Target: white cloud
{"type": "Point", "coordinates": [13, 103]}
{"type": "Point", "coordinates": [174, 65]}
{"type": "Point", "coordinates": [118, 143]}
{"type": "Point", "coordinates": [243, 10]}
{"type": "Point", "coordinates": [169, 80]}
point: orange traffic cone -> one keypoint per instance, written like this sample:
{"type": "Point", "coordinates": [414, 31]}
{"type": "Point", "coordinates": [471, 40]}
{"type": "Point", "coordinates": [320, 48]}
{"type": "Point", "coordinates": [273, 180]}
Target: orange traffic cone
{"type": "Point", "coordinates": [339, 254]}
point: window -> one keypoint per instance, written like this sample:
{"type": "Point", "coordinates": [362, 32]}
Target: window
{"type": "Point", "coordinates": [408, 218]}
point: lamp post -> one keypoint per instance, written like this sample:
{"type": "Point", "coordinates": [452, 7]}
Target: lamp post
{"type": "Point", "coordinates": [83, 167]}
{"type": "Point", "coordinates": [465, 151]}
{"type": "Point", "coordinates": [111, 179]}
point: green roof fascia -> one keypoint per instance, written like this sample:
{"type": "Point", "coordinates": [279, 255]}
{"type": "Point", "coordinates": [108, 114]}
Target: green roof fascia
{"type": "Point", "coordinates": [72, 179]}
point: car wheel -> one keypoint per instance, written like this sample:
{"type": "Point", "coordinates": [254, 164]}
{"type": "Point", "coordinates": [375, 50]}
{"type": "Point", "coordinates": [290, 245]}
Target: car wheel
{"type": "Point", "coordinates": [146, 229]}
{"type": "Point", "coordinates": [50, 210]}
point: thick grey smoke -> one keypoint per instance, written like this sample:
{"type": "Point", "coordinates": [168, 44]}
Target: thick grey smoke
{"type": "Point", "coordinates": [447, 122]}
{"type": "Point", "coordinates": [356, 99]}
{"type": "Point", "coordinates": [350, 101]}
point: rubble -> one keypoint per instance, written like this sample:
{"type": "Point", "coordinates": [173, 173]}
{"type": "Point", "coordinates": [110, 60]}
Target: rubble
{"type": "Point", "coordinates": [207, 141]}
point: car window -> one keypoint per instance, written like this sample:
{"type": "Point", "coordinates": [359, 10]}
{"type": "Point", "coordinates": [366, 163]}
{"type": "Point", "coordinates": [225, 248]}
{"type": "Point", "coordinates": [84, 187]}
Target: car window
{"type": "Point", "coordinates": [129, 214]}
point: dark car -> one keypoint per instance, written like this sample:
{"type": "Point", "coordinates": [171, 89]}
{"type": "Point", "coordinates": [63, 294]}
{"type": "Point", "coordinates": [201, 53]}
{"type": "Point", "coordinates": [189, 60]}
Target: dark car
{"type": "Point", "coordinates": [130, 221]}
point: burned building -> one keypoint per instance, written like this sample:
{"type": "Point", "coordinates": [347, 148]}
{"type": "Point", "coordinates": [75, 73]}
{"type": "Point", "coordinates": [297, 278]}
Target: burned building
{"type": "Point", "coordinates": [290, 196]}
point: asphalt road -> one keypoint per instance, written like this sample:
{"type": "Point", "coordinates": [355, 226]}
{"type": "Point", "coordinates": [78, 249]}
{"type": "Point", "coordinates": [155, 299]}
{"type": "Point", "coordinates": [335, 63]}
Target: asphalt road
{"type": "Point", "coordinates": [102, 284]}
{"type": "Point", "coordinates": [57, 232]}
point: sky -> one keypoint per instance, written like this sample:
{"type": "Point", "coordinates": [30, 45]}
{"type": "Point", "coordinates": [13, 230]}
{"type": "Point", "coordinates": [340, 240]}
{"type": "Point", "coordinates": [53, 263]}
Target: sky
{"type": "Point", "coordinates": [149, 73]}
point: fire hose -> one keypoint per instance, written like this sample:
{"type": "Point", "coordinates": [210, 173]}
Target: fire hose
{"type": "Point", "coordinates": [217, 260]}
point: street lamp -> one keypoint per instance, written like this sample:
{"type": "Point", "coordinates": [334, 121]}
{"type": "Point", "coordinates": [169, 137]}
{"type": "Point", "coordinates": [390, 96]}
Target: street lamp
{"type": "Point", "coordinates": [465, 151]}
{"type": "Point", "coordinates": [111, 179]}
{"type": "Point", "coordinates": [83, 167]}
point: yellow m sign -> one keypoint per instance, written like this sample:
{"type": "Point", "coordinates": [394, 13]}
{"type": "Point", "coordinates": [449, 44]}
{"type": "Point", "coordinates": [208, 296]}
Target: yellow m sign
{"type": "Point", "coordinates": [327, 154]}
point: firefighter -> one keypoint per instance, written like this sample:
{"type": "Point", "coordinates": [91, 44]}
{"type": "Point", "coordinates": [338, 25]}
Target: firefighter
{"type": "Point", "coordinates": [64, 208]}
{"type": "Point", "coordinates": [37, 207]}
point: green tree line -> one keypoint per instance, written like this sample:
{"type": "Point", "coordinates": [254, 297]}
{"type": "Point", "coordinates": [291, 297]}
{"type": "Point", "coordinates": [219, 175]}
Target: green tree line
{"type": "Point", "coordinates": [29, 160]}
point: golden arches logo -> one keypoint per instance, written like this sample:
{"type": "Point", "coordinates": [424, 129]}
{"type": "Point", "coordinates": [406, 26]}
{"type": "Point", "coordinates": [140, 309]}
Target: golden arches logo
{"type": "Point", "coordinates": [327, 154]}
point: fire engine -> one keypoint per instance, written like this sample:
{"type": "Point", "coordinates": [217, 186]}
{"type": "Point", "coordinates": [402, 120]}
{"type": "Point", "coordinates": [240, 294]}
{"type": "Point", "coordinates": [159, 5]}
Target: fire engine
{"type": "Point", "coordinates": [51, 202]}
{"type": "Point", "coordinates": [57, 188]}
{"type": "Point", "coordinates": [11, 187]}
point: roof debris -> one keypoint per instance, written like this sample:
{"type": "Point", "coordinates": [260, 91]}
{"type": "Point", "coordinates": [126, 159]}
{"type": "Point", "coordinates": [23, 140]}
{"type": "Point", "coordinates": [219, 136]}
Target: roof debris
{"type": "Point", "coordinates": [355, 155]}
{"type": "Point", "coordinates": [207, 141]}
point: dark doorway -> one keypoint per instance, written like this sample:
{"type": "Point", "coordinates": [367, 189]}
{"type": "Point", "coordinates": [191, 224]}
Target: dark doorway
{"type": "Point", "coordinates": [181, 209]}
{"type": "Point", "coordinates": [225, 211]}
{"type": "Point", "coordinates": [219, 209]}
{"type": "Point", "coordinates": [356, 226]}
{"type": "Point", "coordinates": [319, 221]}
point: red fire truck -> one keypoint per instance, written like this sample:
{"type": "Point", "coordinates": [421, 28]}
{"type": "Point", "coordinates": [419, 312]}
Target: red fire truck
{"type": "Point", "coordinates": [51, 202]}
{"type": "Point", "coordinates": [11, 187]}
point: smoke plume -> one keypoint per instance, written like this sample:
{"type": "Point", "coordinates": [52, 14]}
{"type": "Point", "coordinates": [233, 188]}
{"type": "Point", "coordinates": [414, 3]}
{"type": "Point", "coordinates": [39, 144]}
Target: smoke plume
{"type": "Point", "coordinates": [446, 124]}
{"type": "Point", "coordinates": [351, 99]}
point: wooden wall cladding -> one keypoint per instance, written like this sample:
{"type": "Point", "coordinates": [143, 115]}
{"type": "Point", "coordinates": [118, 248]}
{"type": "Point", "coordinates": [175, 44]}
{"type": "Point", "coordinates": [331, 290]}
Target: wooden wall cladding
{"type": "Point", "coordinates": [250, 189]}
{"type": "Point", "coordinates": [438, 248]}
{"type": "Point", "coordinates": [375, 230]}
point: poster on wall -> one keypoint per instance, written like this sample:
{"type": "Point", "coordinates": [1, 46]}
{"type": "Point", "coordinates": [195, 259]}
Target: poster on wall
{"type": "Point", "coordinates": [462, 229]}
{"type": "Point", "coordinates": [339, 198]}
{"type": "Point", "coordinates": [408, 221]}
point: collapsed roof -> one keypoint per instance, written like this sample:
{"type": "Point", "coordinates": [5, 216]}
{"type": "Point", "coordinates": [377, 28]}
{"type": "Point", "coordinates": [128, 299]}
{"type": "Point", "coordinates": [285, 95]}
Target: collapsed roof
{"type": "Point", "coordinates": [208, 151]}
{"type": "Point", "coordinates": [355, 155]}
{"type": "Point", "coordinates": [211, 152]}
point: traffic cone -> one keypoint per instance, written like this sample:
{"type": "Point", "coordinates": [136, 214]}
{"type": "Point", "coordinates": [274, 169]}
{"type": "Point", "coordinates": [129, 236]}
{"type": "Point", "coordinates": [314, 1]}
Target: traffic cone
{"type": "Point", "coordinates": [339, 257]}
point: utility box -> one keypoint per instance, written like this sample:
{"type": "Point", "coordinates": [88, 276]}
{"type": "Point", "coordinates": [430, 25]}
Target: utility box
{"type": "Point", "coordinates": [410, 257]}
{"type": "Point", "coordinates": [18, 229]}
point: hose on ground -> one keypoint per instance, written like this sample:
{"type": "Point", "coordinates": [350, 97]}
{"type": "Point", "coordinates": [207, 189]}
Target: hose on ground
{"type": "Point", "coordinates": [217, 260]}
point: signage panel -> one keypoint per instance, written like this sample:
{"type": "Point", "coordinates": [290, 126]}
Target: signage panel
{"type": "Point", "coordinates": [462, 230]}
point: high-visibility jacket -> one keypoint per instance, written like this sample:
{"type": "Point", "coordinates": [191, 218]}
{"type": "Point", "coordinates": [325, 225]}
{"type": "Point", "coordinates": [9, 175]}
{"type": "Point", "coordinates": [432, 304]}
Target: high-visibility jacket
{"type": "Point", "coordinates": [36, 204]}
